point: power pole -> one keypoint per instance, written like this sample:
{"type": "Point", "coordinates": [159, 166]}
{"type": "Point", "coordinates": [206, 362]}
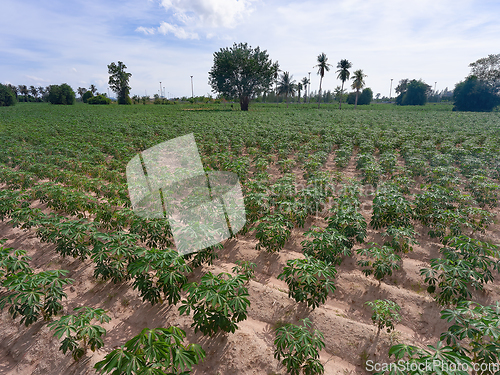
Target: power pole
{"type": "Point", "coordinates": [160, 89]}
{"type": "Point", "coordinates": [390, 91]}
{"type": "Point", "coordinates": [309, 95]}
{"type": "Point", "coordinates": [192, 91]}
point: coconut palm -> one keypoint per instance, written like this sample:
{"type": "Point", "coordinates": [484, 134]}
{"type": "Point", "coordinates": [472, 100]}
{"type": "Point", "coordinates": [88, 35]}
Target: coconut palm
{"type": "Point", "coordinates": [286, 85]}
{"type": "Point", "coordinates": [343, 70]}
{"type": "Point", "coordinates": [358, 83]}
{"type": "Point", "coordinates": [81, 91]}
{"type": "Point", "coordinates": [34, 91]}
{"type": "Point", "coordinates": [299, 89]}
{"type": "Point", "coordinates": [93, 89]}
{"type": "Point", "coordinates": [23, 90]}
{"type": "Point", "coordinates": [276, 67]}
{"type": "Point", "coordinates": [323, 67]}
{"type": "Point", "coordinates": [305, 83]}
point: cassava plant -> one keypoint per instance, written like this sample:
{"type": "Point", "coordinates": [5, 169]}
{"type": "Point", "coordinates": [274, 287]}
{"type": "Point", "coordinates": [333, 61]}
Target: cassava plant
{"type": "Point", "coordinates": [309, 280]}
{"type": "Point", "coordinates": [298, 349]}
{"type": "Point", "coordinates": [79, 334]}
{"type": "Point", "coordinates": [385, 314]}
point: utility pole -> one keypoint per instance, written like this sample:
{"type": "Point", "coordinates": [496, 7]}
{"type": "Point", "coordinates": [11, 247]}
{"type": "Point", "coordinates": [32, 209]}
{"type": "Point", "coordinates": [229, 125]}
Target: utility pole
{"type": "Point", "coordinates": [160, 89]}
{"type": "Point", "coordinates": [192, 91]}
{"type": "Point", "coordinates": [390, 91]}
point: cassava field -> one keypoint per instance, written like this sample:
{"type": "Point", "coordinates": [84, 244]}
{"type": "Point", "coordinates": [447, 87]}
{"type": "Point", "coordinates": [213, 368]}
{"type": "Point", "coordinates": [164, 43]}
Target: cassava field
{"type": "Point", "coordinates": [372, 226]}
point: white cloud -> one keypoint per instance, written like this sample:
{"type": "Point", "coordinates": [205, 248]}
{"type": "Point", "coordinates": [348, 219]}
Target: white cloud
{"type": "Point", "coordinates": [211, 13]}
{"type": "Point", "coordinates": [179, 32]}
{"type": "Point", "coordinates": [146, 30]}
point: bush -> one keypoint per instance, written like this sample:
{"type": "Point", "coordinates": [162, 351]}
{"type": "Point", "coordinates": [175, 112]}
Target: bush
{"type": "Point", "coordinates": [412, 93]}
{"type": "Point", "coordinates": [365, 97]}
{"type": "Point", "coordinates": [299, 348]}
{"type": "Point", "coordinates": [61, 94]}
{"type": "Point", "coordinates": [474, 95]}
{"type": "Point", "coordinates": [86, 96]}
{"type": "Point", "coordinates": [99, 99]}
{"type": "Point", "coordinates": [7, 97]}
{"type": "Point", "coordinates": [153, 351]}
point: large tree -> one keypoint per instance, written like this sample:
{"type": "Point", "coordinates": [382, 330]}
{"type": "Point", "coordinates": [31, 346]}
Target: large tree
{"type": "Point", "coordinates": [7, 96]}
{"type": "Point", "coordinates": [323, 67]}
{"type": "Point", "coordinates": [474, 95]}
{"type": "Point", "coordinates": [358, 83]}
{"type": "Point", "coordinates": [241, 72]}
{"type": "Point", "coordinates": [118, 82]}
{"type": "Point", "coordinates": [487, 69]}
{"type": "Point", "coordinates": [412, 92]}
{"type": "Point", "coordinates": [343, 70]}
{"type": "Point", "coordinates": [286, 85]}
{"type": "Point", "coordinates": [305, 83]}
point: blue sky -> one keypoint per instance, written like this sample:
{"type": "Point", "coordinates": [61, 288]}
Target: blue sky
{"type": "Point", "coordinates": [46, 42]}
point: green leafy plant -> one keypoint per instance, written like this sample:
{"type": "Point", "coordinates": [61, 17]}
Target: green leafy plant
{"type": "Point", "coordinates": [32, 294]}
{"type": "Point", "coordinates": [466, 264]}
{"type": "Point", "coordinates": [245, 268]}
{"type": "Point", "coordinates": [385, 314]}
{"type": "Point", "coordinates": [309, 280]}
{"type": "Point", "coordinates": [383, 261]}
{"type": "Point", "coordinates": [218, 302]}
{"type": "Point", "coordinates": [159, 272]}
{"type": "Point", "coordinates": [328, 245]}
{"type": "Point", "coordinates": [272, 232]}
{"type": "Point", "coordinates": [153, 351]}
{"type": "Point", "coordinates": [79, 334]}
{"type": "Point", "coordinates": [299, 348]}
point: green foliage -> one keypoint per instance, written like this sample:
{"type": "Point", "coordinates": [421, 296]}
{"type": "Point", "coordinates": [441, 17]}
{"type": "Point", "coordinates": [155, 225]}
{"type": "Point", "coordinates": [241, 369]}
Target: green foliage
{"type": "Point", "coordinates": [218, 302]}
{"type": "Point", "coordinates": [32, 294]}
{"type": "Point", "coordinates": [7, 97]}
{"type": "Point", "coordinates": [385, 313]}
{"type": "Point", "coordinates": [79, 333]}
{"type": "Point", "coordinates": [328, 245]}
{"type": "Point", "coordinates": [61, 94]}
{"type": "Point", "coordinates": [412, 92]}
{"type": "Point", "coordinates": [299, 348]}
{"type": "Point", "coordinates": [383, 261]}
{"type": "Point", "coordinates": [118, 81]}
{"type": "Point", "coordinates": [391, 208]}
{"type": "Point", "coordinates": [159, 272]}
{"type": "Point", "coordinates": [241, 72]}
{"type": "Point", "coordinates": [245, 268]}
{"type": "Point", "coordinates": [309, 280]}
{"type": "Point", "coordinates": [272, 232]}
{"type": "Point", "coordinates": [153, 351]}
{"type": "Point", "coordinates": [86, 96]}
{"type": "Point", "coordinates": [99, 99]}
{"type": "Point", "coordinates": [474, 95]}
{"type": "Point", "coordinates": [364, 98]}
{"type": "Point", "coordinates": [467, 263]}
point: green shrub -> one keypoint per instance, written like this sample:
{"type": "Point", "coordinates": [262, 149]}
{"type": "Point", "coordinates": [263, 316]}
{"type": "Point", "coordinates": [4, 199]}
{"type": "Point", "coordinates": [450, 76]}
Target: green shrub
{"type": "Point", "coordinates": [99, 99]}
{"type": "Point", "coordinates": [474, 95]}
{"type": "Point", "coordinates": [385, 314]}
{"type": "Point", "coordinates": [61, 94]}
{"type": "Point", "coordinates": [7, 97]}
{"type": "Point", "coordinates": [153, 351]}
{"type": "Point", "coordinates": [299, 348]}
{"type": "Point", "coordinates": [86, 96]}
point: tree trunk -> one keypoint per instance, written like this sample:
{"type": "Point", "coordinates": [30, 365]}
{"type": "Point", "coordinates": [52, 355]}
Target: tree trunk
{"type": "Point", "coordinates": [244, 100]}
{"type": "Point", "coordinates": [341, 93]}
{"type": "Point", "coordinates": [319, 93]}
{"type": "Point", "coordinates": [356, 101]}
{"type": "Point", "coordinates": [286, 98]}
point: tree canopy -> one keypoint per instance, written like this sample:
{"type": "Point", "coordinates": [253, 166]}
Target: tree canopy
{"type": "Point", "coordinates": [487, 69]}
{"type": "Point", "coordinates": [241, 72]}
{"type": "Point", "coordinates": [118, 82]}
{"type": "Point", "coordinates": [61, 94]}
{"type": "Point", "coordinates": [474, 95]}
{"type": "Point", "coordinates": [412, 92]}
{"type": "Point", "coordinates": [7, 96]}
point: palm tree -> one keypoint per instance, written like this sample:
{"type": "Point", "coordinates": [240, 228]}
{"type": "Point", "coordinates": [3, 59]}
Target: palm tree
{"type": "Point", "coordinates": [322, 67]}
{"type": "Point", "coordinates": [41, 91]}
{"type": "Point", "coordinates": [23, 90]}
{"type": "Point", "coordinates": [81, 91]}
{"type": "Point", "coordinates": [299, 88]}
{"type": "Point", "coordinates": [305, 83]}
{"type": "Point", "coordinates": [358, 83]}
{"type": "Point", "coordinates": [34, 91]}
{"type": "Point", "coordinates": [286, 85]}
{"type": "Point", "coordinates": [277, 69]}
{"type": "Point", "coordinates": [343, 70]}
{"type": "Point", "coordinates": [93, 89]}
